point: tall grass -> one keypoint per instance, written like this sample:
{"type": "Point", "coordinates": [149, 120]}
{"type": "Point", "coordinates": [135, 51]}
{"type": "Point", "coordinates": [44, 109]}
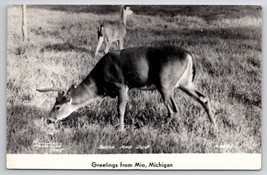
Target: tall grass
{"type": "Point", "coordinates": [227, 51]}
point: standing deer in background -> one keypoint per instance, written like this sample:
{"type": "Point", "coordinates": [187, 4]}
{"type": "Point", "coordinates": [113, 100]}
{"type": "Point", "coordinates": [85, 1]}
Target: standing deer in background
{"type": "Point", "coordinates": [161, 68]}
{"type": "Point", "coordinates": [113, 31]}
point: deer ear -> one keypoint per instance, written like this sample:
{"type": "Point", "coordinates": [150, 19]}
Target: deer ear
{"type": "Point", "coordinates": [70, 89]}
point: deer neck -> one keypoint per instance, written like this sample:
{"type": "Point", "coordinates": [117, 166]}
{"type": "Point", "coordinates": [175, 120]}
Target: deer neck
{"type": "Point", "coordinates": [123, 17]}
{"type": "Point", "coordinates": [84, 93]}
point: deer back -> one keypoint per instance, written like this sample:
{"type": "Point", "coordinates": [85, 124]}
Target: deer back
{"type": "Point", "coordinates": [139, 67]}
{"type": "Point", "coordinates": [113, 31]}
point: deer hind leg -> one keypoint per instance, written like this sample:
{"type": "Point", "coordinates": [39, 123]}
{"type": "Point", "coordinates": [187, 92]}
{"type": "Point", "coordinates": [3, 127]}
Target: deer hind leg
{"type": "Point", "coordinates": [100, 41]}
{"type": "Point", "coordinates": [122, 101]}
{"type": "Point", "coordinates": [200, 97]}
{"type": "Point", "coordinates": [169, 102]}
{"type": "Point", "coordinates": [121, 43]}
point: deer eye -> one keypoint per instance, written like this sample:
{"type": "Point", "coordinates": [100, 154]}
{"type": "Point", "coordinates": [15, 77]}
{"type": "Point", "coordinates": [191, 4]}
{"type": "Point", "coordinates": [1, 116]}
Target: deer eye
{"type": "Point", "coordinates": [66, 99]}
{"type": "Point", "coordinates": [57, 108]}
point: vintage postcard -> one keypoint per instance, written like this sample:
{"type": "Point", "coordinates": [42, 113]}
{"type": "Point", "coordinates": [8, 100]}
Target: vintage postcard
{"type": "Point", "coordinates": [149, 87]}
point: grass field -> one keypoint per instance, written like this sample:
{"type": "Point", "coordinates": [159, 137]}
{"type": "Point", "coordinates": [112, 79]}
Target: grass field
{"type": "Point", "coordinates": [226, 44]}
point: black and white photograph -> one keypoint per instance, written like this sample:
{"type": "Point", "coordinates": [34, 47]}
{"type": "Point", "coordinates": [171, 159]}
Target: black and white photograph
{"type": "Point", "coordinates": [160, 81]}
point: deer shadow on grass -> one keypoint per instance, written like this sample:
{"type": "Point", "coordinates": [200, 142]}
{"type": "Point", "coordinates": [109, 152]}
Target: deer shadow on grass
{"type": "Point", "coordinates": [21, 116]}
{"type": "Point", "coordinates": [63, 47]}
{"type": "Point", "coordinates": [103, 117]}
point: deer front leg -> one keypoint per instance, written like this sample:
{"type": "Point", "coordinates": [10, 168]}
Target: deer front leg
{"type": "Point", "coordinates": [122, 101]}
{"type": "Point", "coordinates": [108, 45]}
{"type": "Point", "coordinates": [121, 43]}
{"type": "Point", "coordinates": [100, 41]}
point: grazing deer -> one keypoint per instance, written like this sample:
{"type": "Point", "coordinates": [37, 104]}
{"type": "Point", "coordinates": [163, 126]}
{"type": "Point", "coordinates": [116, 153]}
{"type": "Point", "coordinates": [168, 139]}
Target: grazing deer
{"type": "Point", "coordinates": [113, 31]}
{"type": "Point", "coordinates": [161, 68]}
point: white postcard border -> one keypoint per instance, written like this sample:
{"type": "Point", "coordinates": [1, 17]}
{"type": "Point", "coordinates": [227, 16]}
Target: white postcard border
{"type": "Point", "coordinates": [223, 161]}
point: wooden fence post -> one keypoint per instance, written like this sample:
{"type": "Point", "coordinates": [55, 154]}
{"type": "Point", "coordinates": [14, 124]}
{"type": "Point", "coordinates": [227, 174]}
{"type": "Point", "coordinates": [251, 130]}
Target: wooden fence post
{"type": "Point", "coordinates": [24, 23]}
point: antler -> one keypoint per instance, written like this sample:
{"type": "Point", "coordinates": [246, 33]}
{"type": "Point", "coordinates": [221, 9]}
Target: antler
{"type": "Point", "coordinates": [50, 89]}
{"type": "Point", "coordinates": [53, 88]}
